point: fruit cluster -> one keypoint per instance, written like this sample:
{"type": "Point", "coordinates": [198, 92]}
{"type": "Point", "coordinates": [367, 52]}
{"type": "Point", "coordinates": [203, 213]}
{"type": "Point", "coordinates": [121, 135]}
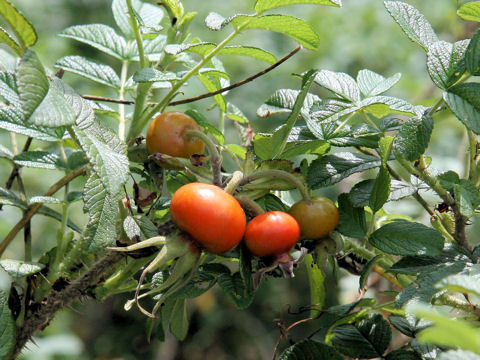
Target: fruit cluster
{"type": "Point", "coordinates": [215, 219]}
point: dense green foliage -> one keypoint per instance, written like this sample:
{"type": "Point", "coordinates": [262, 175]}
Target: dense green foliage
{"type": "Point", "coordinates": [332, 125]}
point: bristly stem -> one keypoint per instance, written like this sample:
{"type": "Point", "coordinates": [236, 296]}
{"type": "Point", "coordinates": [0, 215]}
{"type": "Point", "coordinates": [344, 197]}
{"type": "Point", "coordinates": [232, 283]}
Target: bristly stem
{"type": "Point", "coordinates": [423, 174]}
{"type": "Point", "coordinates": [59, 300]}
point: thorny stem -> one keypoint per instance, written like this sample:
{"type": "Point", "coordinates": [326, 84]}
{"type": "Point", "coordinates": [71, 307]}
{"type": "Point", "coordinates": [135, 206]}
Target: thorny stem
{"type": "Point", "coordinates": [422, 173]}
{"type": "Point", "coordinates": [58, 300]}
{"type": "Point", "coordinates": [215, 157]}
{"type": "Point", "coordinates": [32, 209]}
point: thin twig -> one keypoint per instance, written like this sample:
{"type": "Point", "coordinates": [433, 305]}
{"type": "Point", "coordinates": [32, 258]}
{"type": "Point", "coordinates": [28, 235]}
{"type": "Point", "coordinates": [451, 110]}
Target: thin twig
{"type": "Point", "coordinates": [203, 96]}
{"type": "Point", "coordinates": [32, 209]}
{"type": "Point", "coordinates": [16, 168]}
{"type": "Point", "coordinates": [60, 299]}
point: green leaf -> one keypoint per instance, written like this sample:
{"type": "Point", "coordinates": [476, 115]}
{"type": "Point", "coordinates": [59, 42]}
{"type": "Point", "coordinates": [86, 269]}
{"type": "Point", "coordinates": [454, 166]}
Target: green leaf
{"type": "Point", "coordinates": [368, 340]}
{"type": "Point", "coordinates": [413, 138]}
{"type": "Point", "coordinates": [204, 48]}
{"type": "Point", "coordinates": [46, 211]}
{"type": "Point", "coordinates": [470, 11]}
{"type": "Point", "coordinates": [280, 136]}
{"type": "Point", "coordinates": [381, 189]}
{"type": "Point", "coordinates": [54, 110]}
{"type": "Point", "coordinates": [310, 349]}
{"type": "Point", "coordinates": [331, 110]}
{"type": "Point", "coordinates": [425, 351]}
{"type": "Point", "coordinates": [264, 5]}
{"type": "Point", "coordinates": [236, 289]}
{"type": "Point", "coordinates": [199, 48]}
{"type": "Point", "coordinates": [412, 22]}
{"type": "Point", "coordinates": [472, 58]}
{"type": "Point", "coordinates": [20, 25]}
{"type": "Point", "coordinates": [466, 194]}
{"type": "Point", "coordinates": [367, 270]}
{"type": "Point", "coordinates": [101, 37]}
{"type": "Point", "coordinates": [215, 21]}
{"type": "Point", "coordinates": [32, 82]}
{"type": "Point", "coordinates": [203, 121]}
{"type": "Point", "coordinates": [464, 101]}
{"type": "Point", "coordinates": [402, 355]}
{"type": "Point", "coordinates": [352, 219]}
{"type": "Point", "coordinates": [81, 108]}
{"type": "Point", "coordinates": [407, 238]}
{"type": "Point", "coordinates": [140, 226]}
{"type": "Point", "coordinates": [153, 75]}
{"type": "Point", "coordinates": [40, 159]}
{"type": "Point", "coordinates": [19, 269]}
{"type": "Point", "coordinates": [153, 49]}
{"type": "Point", "coordinates": [385, 145]}
{"type": "Point", "coordinates": [416, 265]}
{"type": "Point", "coordinates": [330, 169]}
{"type": "Point", "coordinates": [340, 83]}
{"type": "Point", "coordinates": [446, 62]}
{"type": "Point", "coordinates": [7, 328]}
{"type": "Point", "coordinates": [402, 324]}
{"type": "Point", "coordinates": [8, 89]}
{"type": "Point", "coordinates": [317, 147]}
{"type": "Point", "coordinates": [370, 83]}
{"type": "Point", "coordinates": [214, 73]}
{"type": "Point", "coordinates": [359, 135]}
{"type": "Point", "coordinates": [465, 284]}
{"type": "Point", "coordinates": [5, 153]}
{"type": "Point", "coordinates": [107, 153]}
{"type": "Point", "coordinates": [316, 282]}
{"type": "Point", "coordinates": [362, 191]}
{"type": "Point", "coordinates": [102, 208]}
{"type": "Point", "coordinates": [211, 86]}
{"type": "Point", "coordinates": [89, 69]}
{"type": "Point", "coordinates": [446, 331]}
{"type": "Point", "coordinates": [10, 41]}
{"type": "Point", "coordinates": [149, 14]}
{"type": "Point", "coordinates": [250, 51]}
{"type": "Point", "coordinates": [380, 106]}
{"type": "Point", "coordinates": [174, 8]}
{"type": "Point", "coordinates": [296, 28]}
{"type": "Point", "coordinates": [179, 319]}
{"type": "Point", "coordinates": [282, 101]}
{"type": "Point", "coordinates": [13, 120]}
{"type": "Point", "coordinates": [459, 354]}
{"type": "Point", "coordinates": [271, 203]}
{"type": "Point", "coordinates": [8, 197]}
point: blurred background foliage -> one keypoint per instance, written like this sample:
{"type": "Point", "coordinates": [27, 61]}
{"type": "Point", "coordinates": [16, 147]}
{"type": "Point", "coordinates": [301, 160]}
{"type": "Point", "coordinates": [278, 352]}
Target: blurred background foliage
{"type": "Point", "coordinates": [359, 35]}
